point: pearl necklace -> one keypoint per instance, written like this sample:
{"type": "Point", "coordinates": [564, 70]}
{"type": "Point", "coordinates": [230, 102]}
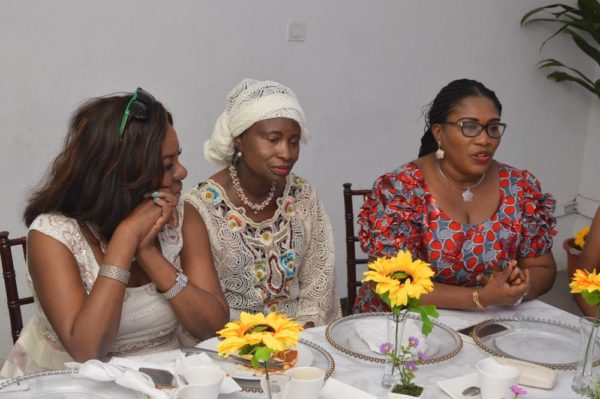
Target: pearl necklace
{"type": "Point", "coordinates": [240, 192]}
{"type": "Point", "coordinates": [467, 194]}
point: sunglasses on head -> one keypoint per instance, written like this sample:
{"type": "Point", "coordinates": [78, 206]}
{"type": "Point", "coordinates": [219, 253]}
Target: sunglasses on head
{"type": "Point", "coordinates": [138, 107]}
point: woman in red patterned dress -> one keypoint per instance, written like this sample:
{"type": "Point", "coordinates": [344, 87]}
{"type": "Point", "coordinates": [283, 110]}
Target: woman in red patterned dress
{"type": "Point", "coordinates": [485, 227]}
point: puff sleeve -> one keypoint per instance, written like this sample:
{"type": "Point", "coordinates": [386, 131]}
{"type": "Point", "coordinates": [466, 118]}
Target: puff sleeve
{"type": "Point", "coordinates": [391, 216]}
{"type": "Point", "coordinates": [538, 221]}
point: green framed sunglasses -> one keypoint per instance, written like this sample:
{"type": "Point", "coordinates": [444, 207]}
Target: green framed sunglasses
{"type": "Point", "coordinates": [138, 108]}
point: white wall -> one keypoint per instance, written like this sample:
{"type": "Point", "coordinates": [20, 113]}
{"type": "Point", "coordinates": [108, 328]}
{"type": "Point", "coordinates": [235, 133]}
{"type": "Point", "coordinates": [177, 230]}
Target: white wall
{"type": "Point", "coordinates": [363, 75]}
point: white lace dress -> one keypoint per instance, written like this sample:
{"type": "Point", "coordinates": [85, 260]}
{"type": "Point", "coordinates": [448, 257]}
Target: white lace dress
{"type": "Point", "coordinates": [147, 321]}
{"type": "Point", "coordinates": [283, 264]}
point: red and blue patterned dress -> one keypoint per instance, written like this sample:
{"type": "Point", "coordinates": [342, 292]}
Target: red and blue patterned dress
{"type": "Point", "coordinates": [400, 213]}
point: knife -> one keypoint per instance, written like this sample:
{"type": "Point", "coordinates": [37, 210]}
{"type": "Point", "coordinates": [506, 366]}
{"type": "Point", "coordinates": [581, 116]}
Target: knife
{"type": "Point", "coordinates": [236, 359]}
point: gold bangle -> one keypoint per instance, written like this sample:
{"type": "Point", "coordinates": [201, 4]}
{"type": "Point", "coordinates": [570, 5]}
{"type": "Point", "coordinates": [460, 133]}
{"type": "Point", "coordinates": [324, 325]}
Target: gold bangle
{"type": "Point", "coordinates": [476, 299]}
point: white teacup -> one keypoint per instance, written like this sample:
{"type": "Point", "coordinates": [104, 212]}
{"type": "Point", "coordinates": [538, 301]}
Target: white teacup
{"type": "Point", "coordinates": [204, 381]}
{"type": "Point", "coordinates": [306, 382]}
{"type": "Point", "coordinates": [496, 379]}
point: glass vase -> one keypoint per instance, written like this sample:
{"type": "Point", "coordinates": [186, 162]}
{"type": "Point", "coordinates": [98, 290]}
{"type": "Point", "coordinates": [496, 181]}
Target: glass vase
{"type": "Point", "coordinates": [395, 333]}
{"type": "Point", "coordinates": [588, 334]}
{"type": "Point", "coordinates": [276, 386]}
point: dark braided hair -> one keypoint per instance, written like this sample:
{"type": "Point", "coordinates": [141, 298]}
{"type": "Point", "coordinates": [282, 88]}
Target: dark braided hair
{"type": "Point", "coordinates": [438, 110]}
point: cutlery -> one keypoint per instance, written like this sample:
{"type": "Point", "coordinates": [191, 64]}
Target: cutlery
{"type": "Point", "coordinates": [471, 391]}
{"type": "Point", "coordinates": [236, 359]}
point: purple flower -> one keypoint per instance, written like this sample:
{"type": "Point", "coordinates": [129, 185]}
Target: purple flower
{"type": "Point", "coordinates": [422, 356]}
{"type": "Point", "coordinates": [517, 390]}
{"type": "Point", "coordinates": [386, 347]}
{"type": "Point", "coordinates": [410, 366]}
{"type": "Point", "coordinates": [413, 342]}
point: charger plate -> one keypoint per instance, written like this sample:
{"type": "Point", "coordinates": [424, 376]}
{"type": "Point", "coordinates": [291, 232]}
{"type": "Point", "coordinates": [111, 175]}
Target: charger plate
{"type": "Point", "coordinates": [63, 384]}
{"type": "Point", "coordinates": [549, 343]}
{"type": "Point", "coordinates": [319, 358]}
{"type": "Point", "coordinates": [442, 343]}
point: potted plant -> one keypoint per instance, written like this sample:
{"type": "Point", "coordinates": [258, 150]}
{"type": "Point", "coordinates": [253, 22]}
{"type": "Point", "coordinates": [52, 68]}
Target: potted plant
{"type": "Point", "coordinates": [573, 246]}
{"type": "Point", "coordinates": [400, 282]}
{"type": "Point", "coordinates": [582, 24]}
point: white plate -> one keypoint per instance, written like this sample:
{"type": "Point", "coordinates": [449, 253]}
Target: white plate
{"type": "Point", "coordinates": [65, 386]}
{"type": "Point", "coordinates": [305, 358]}
{"type": "Point", "coordinates": [454, 387]}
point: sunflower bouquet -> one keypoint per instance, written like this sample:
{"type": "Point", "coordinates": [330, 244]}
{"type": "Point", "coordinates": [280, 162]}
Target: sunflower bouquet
{"type": "Point", "coordinates": [588, 285]}
{"type": "Point", "coordinates": [259, 337]}
{"type": "Point", "coordinates": [399, 282]}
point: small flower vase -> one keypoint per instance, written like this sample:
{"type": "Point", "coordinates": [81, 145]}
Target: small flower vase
{"type": "Point", "coordinates": [276, 386]}
{"type": "Point", "coordinates": [395, 332]}
{"type": "Point", "coordinates": [398, 395]}
{"type": "Point", "coordinates": [588, 334]}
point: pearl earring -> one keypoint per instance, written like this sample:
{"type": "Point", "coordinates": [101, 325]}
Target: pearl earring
{"type": "Point", "coordinates": [239, 154]}
{"type": "Point", "coordinates": [439, 153]}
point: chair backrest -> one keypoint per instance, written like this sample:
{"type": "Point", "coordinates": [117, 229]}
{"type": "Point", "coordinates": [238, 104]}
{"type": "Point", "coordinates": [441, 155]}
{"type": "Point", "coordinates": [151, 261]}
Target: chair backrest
{"type": "Point", "coordinates": [10, 282]}
{"type": "Point", "coordinates": [351, 239]}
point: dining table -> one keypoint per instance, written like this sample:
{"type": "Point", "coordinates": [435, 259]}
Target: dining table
{"type": "Point", "coordinates": [367, 375]}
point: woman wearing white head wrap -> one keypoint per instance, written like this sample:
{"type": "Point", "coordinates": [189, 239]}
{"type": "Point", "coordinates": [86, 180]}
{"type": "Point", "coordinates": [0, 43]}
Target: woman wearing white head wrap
{"type": "Point", "coordinates": [267, 230]}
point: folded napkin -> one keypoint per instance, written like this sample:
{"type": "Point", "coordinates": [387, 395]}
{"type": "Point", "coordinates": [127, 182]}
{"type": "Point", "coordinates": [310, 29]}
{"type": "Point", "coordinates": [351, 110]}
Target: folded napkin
{"type": "Point", "coordinates": [129, 378]}
{"type": "Point", "coordinates": [175, 361]}
{"type": "Point", "coordinates": [373, 331]}
{"type": "Point", "coordinates": [335, 389]}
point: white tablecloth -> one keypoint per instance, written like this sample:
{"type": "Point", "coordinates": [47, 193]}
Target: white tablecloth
{"type": "Point", "coordinates": [367, 376]}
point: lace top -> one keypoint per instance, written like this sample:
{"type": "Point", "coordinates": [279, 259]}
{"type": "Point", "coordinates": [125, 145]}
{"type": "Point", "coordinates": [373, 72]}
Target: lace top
{"type": "Point", "coordinates": [401, 213]}
{"type": "Point", "coordinates": [285, 263]}
{"type": "Point", "coordinates": [148, 322]}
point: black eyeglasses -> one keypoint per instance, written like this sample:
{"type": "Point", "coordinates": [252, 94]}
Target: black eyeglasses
{"type": "Point", "coordinates": [474, 129]}
{"type": "Point", "coordinates": [138, 107]}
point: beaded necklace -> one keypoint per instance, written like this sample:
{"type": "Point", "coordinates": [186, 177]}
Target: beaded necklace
{"type": "Point", "coordinates": [242, 195]}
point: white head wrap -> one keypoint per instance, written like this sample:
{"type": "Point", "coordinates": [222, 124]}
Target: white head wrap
{"type": "Point", "coordinates": [249, 102]}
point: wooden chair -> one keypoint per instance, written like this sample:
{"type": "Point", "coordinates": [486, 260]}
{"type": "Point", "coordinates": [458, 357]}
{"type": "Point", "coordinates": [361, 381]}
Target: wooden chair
{"type": "Point", "coordinates": [351, 239]}
{"type": "Point", "coordinates": [13, 300]}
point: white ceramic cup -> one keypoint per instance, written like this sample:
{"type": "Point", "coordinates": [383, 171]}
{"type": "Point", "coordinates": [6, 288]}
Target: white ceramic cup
{"type": "Point", "coordinates": [496, 379]}
{"type": "Point", "coordinates": [306, 382]}
{"type": "Point", "coordinates": [204, 381]}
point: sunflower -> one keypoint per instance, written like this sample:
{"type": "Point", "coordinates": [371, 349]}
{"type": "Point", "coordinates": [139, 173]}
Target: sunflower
{"type": "Point", "coordinates": [581, 236]}
{"type": "Point", "coordinates": [585, 281]}
{"type": "Point", "coordinates": [400, 277]}
{"type": "Point", "coordinates": [275, 331]}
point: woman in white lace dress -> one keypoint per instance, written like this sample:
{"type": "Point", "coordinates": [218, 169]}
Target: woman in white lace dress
{"type": "Point", "coordinates": [270, 237]}
{"type": "Point", "coordinates": [104, 244]}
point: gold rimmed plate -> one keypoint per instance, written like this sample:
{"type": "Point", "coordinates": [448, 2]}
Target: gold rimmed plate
{"type": "Point", "coordinates": [344, 334]}
{"type": "Point", "coordinates": [309, 352]}
{"type": "Point", "coordinates": [549, 343]}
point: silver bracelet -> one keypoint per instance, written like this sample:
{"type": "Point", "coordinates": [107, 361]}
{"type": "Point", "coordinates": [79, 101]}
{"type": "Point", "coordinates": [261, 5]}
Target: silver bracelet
{"type": "Point", "coordinates": [114, 272]}
{"type": "Point", "coordinates": [180, 283]}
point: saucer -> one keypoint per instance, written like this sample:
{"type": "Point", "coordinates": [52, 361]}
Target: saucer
{"type": "Point", "coordinates": [454, 387]}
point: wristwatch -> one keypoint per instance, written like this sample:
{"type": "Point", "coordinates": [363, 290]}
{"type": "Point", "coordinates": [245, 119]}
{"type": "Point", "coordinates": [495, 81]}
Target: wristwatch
{"type": "Point", "coordinates": [180, 283]}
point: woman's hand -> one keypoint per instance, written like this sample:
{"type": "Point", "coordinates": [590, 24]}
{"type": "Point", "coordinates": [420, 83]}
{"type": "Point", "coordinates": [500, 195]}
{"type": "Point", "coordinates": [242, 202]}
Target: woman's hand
{"type": "Point", "coordinates": [149, 218]}
{"type": "Point", "coordinates": [506, 287]}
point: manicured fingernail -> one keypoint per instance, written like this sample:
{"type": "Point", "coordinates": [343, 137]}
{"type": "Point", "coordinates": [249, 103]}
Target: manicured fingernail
{"type": "Point", "coordinates": [156, 199]}
{"type": "Point", "coordinates": [154, 193]}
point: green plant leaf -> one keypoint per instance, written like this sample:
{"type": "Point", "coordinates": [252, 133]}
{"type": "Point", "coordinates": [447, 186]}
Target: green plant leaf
{"type": "Point", "coordinates": [550, 62]}
{"type": "Point", "coordinates": [590, 50]}
{"type": "Point", "coordinates": [246, 349]}
{"type": "Point", "coordinates": [262, 354]}
{"type": "Point", "coordinates": [593, 298]}
{"type": "Point", "coordinates": [564, 76]}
